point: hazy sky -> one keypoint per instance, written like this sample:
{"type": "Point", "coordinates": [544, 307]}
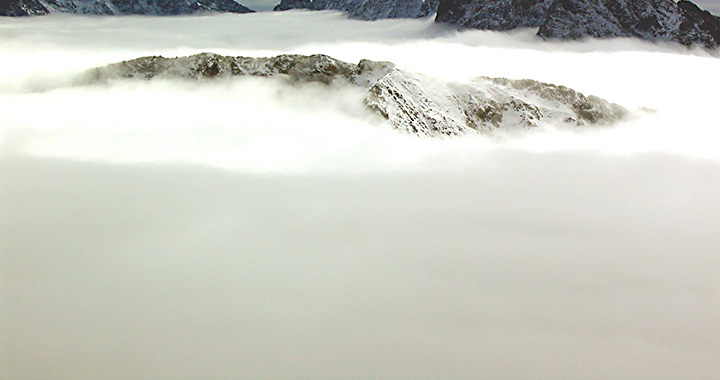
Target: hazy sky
{"type": "Point", "coordinates": [260, 5]}
{"type": "Point", "coordinates": [250, 229]}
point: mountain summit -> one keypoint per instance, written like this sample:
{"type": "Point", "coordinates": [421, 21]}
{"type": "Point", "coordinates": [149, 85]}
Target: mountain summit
{"type": "Point", "coordinates": [653, 20]}
{"type": "Point", "coordinates": [411, 102]}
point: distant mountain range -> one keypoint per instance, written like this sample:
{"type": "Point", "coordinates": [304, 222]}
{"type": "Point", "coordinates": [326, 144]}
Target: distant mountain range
{"type": "Point", "coordinates": [367, 9]}
{"type": "Point", "coordinates": [118, 7]}
{"type": "Point", "coordinates": [654, 20]}
{"type": "Point", "coordinates": [411, 102]}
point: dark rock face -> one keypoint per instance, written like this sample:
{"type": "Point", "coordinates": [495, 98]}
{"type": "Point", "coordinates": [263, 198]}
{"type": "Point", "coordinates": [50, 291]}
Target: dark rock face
{"type": "Point", "coordinates": [493, 14]}
{"type": "Point", "coordinates": [654, 20]}
{"type": "Point", "coordinates": [367, 9]}
{"type": "Point", "coordinates": [122, 7]}
{"type": "Point", "coordinates": [646, 19]}
{"type": "Point", "coordinates": [411, 102]}
{"type": "Point", "coordinates": [21, 8]}
{"type": "Point", "coordinates": [699, 27]}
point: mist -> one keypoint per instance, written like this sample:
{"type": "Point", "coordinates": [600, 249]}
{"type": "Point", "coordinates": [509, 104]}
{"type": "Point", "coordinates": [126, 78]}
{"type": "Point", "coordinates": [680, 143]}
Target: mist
{"type": "Point", "coordinates": [249, 228]}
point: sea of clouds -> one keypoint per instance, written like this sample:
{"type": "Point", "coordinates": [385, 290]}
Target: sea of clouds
{"type": "Point", "coordinates": [252, 229]}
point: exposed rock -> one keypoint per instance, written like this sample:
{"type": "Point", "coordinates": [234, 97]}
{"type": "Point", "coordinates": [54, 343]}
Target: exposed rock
{"type": "Point", "coordinates": [367, 9]}
{"type": "Point", "coordinates": [424, 106]}
{"type": "Point", "coordinates": [701, 26]}
{"type": "Point", "coordinates": [295, 68]}
{"type": "Point", "coordinates": [646, 19]}
{"type": "Point", "coordinates": [22, 8]}
{"type": "Point", "coordinates": [121, 7]}
{"type": "Point", "coordinates": [654, 20]}
{"type": "Point", "coordinates": [411, 102]}
{"type": "Point", "coordinates": [493, 14]}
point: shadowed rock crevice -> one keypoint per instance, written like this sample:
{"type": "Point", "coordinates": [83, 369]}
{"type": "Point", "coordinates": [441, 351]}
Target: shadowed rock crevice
{"type": "Point", "coordinates": [411, 102]}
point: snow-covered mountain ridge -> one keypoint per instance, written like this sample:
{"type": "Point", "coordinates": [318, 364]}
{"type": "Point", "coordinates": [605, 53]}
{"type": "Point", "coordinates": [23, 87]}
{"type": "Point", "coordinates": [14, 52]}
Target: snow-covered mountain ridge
{"type": "Point", "coordinates": [493, 14]}
{"type": "Point", "coordinates": [411, 102]}
{"type": "Point", "coordinates": [118, 7]}
{"type": "Point", "coordinates": [654, 20]}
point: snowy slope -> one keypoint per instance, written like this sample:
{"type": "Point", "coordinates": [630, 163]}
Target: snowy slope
{"type": "Point", "coordinates": [425, 106]}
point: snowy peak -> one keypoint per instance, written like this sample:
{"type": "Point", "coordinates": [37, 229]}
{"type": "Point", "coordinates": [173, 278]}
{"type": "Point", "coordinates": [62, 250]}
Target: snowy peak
{"type": "Point", "coordinates": [120, 7]}
{"type": "Point", "coordinates": [411, 102]}
{"type": "Point", "coordinates": [367, 9]}
{"type": "Point", "coordinates": [424, 106]}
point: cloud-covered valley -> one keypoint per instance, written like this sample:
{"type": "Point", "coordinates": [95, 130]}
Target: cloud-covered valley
{"type": "Point", "coordinates": [248, 228]}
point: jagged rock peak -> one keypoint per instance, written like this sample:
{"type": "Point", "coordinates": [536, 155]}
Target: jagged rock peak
{"type": "Point", "coordinates": [653, 20]}
{"type": "Point", "coordinates": [424, 106]}
{"type": "Point", "coordinates": [412, 103]}
{"type": "Point", "coordinates": [367, 9]}
{"type": "Point", "coordinates": [493, 14]}
{"type": "Point", "coordinates": [118, 7]}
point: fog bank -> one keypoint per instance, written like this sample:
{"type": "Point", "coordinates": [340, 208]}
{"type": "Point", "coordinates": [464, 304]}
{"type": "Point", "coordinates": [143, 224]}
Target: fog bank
{"type": "Point", "coordinates": [248, 228]}
{"type": "Point", "coordinates": [529, 266]}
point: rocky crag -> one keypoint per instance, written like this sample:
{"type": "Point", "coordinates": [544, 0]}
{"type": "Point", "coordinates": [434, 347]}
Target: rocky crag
{"type": "Point", "coordinates": [493, 14]}
{"type": "Point", "coordinates": [653, 20]}
{"type": "Point", "coordinates": [118, 7]}
{"type": "Point", "coordinates": [369, 10]}
{"type": "Point", "coordinates": [410, 102]}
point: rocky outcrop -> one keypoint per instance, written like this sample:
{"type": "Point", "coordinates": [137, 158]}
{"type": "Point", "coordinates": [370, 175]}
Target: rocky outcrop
{"type": "Point", "coordinates": [120, 7]}
{"type": "Point", "coordinates": [493, 14]}
{"type": "Point", "coordinates": [22, 8]}
{"type": "Point", "coordinates": [367, 9]}
{"type": "Point", "coordinates": [701, 27]}
{"type": "Point", "coordinates": [425, 106]}
{"type": "Point", "coordinates": [654, 20]}
{"type": "Point", "coordinates": [410, 102]}
{"type": "Point", "coordinates": [294, 68]}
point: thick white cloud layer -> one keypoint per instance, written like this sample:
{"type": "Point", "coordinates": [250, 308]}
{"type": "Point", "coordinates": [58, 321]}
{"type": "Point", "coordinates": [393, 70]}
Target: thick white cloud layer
{"type": "Point", "coordinates": [251, 229]}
